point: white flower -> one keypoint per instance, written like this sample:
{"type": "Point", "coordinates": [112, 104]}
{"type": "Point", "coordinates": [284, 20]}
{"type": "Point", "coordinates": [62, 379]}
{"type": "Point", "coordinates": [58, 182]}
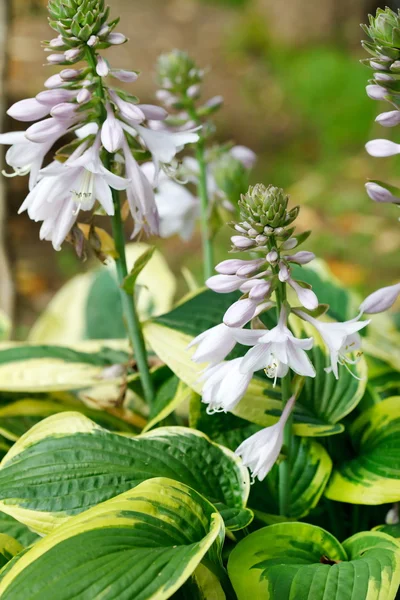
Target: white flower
{"type": "Point", "coordinates": [65, 189]}
{"type": "Point", "coordinates": [260, 451]}
{"type": "Point", "coordinates": [25, 156]}
{"type": "Point", "coordinates": [382, 148]}
{"type": "Point", "coordinates": [163, 145]}
{"type": "Point", "coordinates": [177, 208]}
{"type": "Point", "coordinates": [214, 344]}
{"type": "Point", "coordinates": [112, 134]}
{"type": "Point", "coordinates": [140, 196]}
{"type": "Point", "coordinates": [378, 193]}
{"type": "Point", "coordinates": [276, 351]}
{"type": "Point", "coordinates": [224, 385]}
{"type": "Point", "coordinates": [29, 109]}
{"type": "Point", "coordinates": [339, 338]}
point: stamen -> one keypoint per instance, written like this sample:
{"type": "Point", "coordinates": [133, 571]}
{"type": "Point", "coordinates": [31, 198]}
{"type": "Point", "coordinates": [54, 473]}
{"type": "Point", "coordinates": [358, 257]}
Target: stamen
{"type": "Point", "coordinates": [18, 171]}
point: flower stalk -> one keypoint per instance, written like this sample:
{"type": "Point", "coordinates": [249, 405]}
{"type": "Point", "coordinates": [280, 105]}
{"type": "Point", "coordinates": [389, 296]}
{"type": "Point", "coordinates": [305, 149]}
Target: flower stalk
{"type": "Point", "coordinates": [130, 313]}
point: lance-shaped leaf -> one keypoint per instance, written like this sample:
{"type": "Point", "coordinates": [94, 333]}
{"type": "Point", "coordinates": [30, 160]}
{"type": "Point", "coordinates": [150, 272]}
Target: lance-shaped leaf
{"type": "Point", "coordinates": [67, 463]}
{"type": "Point", "coordinates": [140, 263]}
{"type": "Point", "coordinates": [373, 477]}
{"type": "Point", "coordinates": [291, 561]}
{"type": "Point", "coordinates": [143, 544]}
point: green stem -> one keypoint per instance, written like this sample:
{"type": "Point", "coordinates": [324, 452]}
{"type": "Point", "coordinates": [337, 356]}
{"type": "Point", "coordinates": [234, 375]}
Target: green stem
{"type": "Point", "coordinates": [128, 301]}
{"type": "Point", "coordinates": [202, 190]}
{"type": "Point", "coordinates": [284, 466]}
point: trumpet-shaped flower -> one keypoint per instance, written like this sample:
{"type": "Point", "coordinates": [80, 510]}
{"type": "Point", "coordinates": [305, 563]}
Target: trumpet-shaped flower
{"type": "Point", "coordinates": [25, 156]}
{"type": "Point", "coordinates": [260, 451]}
{"type": "Point", "coordinates": [224, 385]}
{"type": "Point", "coordinates": [276, 351]}
{"type": "Point", "coordinates": [340, 339]}
{"type": "Point", "coordinates": [213, 345]}
{"type": "Point", "coordinates": [140, 196]}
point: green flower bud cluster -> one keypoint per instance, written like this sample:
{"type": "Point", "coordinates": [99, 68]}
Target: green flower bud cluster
{"type": "Point", "coordinates": [77, 20]}
{"type": "Point", "coordinates": [384, 29]}
{"type": "Point", "coordinates": [266, 207]}
{"type": "Point", "coordinates": [177, 72]}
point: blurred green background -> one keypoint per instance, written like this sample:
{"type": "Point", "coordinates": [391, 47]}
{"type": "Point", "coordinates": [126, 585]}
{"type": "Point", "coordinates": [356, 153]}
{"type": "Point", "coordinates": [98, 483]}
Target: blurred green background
{"type": "Point", "coordinates": [294, 92]}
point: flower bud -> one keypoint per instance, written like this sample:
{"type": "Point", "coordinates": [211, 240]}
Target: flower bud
{"type": "Point", "coordinates": [240, 313]}
{"type": "Point", "coordinates": [289, 244]}
{"type": "Point", "coordinates": [54, 81]}
{"type": "Point", "coordinates": [223, 284]}
{"type": "Point", "coordinates": [102, 68]}
{"type": "Point", "coordinates": [301, 258]}
{"type": "Point", "coordinates": [389, 119]}
{"type": "Point", "coordinates": [260, 291]}
{"type": "Point", "coordinates": [152, 112]}
{"type": "Point", "coordinates": [73, 54]}
{"type": "Point", "coordinates": [272, 257]}
{"type": "Point", "coordinates": [241, 242]}
{"type": "Point", "coordinates": [284, 272]}
{"type": "Point", "coordinates": [116, 39]}
{"type": "Point", "coordinates": [376, 92]}
{"type": "Point", "coordinates": [70, 74]}
{"type": "Point", "coordinates": [55, 96]}
{"type": "Point", "coordinates": [246, 156]}
{"type": "Point", "coordinates": [83, 96]}
{"type": "Point", "coordinates": [381, 300]}
{"type": "Point", "coordinates": [177, 72]}
{"type": "Point", "coordinates": [306, 296]}
{"type": "Point", "coordinates": [263, 206]}
{"type": "Point", "coordinates": [123, 75]}
{"type": "Point", "coordinates": [128, 111]}
{"type": "Point", "coordinates": [64, 110]}
{"type": "Point", "coordinates": [382, 148]}
{"type": "Point", "coordinates": [378, 193]}
{"type": "Point", "coordinates": [92, 41]}
{"type": "Point", "coordinates": [28, 110]}
{"type": "Point", "coordinates": [55, 59]}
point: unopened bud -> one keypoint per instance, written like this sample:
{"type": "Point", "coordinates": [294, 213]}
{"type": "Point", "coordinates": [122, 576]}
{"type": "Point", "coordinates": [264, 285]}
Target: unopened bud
{"type": "Point", "coordinates": [389, 119]}
{"type": "Point", "coordinates": [376, 92]}
{"type": "Point", "coordinates": [272, 257]}
{"type": "Point", "coordinates": [55, 59]}
{"type": "Point", "coordinates": [381, 300]}
{"type": "Point", "coordinates": [116, 39]}
{"type": "Point", "coordinates": [70, 74]}
{"type": "Point", "coordinates": [241, 242]}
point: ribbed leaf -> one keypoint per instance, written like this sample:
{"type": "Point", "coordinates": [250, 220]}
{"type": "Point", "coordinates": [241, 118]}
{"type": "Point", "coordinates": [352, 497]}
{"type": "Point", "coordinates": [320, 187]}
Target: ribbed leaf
{"type": "Point", "coordinates": [66, 464]}
{"type": "Point", "coordinates": [171, 394]}
{"type": "Point", "coordinates": [16, 418]}
{"type": "Point", "coordinates": [39, 368]}
{"type": "Point", "coordinates": [143, 544]}
{"type": "Point", "coordinates": [374, 476]}
{"type": "Point", "coordinates": [17, 530]}
{"type": "Point", "coordinates": [9, 547]}
{"type": "Point", "coordinates": [298, 561]}
{"type": "Point", "coordinates": [202, 585]}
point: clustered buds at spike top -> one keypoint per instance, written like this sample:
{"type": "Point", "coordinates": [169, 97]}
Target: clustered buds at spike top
{"type": "Point", "coordinates": [266, 207]}
{"type": "Point", "coordinates": [177, 72]}
{"type": "Point", "coordinates": [231, 176]}
{"type": "Point", "coordinates": [77, 21]}
{"type": "Point", "coordinates": [384, 32]}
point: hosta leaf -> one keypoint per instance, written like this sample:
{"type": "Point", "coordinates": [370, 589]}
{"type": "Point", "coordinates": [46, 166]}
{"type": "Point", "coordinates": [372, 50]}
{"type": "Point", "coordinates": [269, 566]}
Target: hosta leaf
{"type": "Point", "coordinates": [66, 464]}
{"type": "Point", "coordinates": [39, 368]}
{"type": "Point", "coordinates": [202, 585]}
{"type": "Point", "coordinates": [373, 477]}
{"type": "Point", "coordinates": [299, 561]}
{"type": "Point", "coordinates": [142, 544]}
{"type": "Point", "coordinates": [309, 474]}
{"type": "Point", "coordinates": [89, 306]}
{"type": "Point", "coordinates": [16, 418]}
{"type": "Point", "coordinates": [16, 530]}
{"type": "Point", "coordinates": [5, 326]}
{"type": "Point", "coordinates": [171, 394]}
{"type": "Point", "coordinates": [319, 409]}
{"type": "Point", "coordinates": [393, 530]}
{"type": "Point", "coordinates": [9, 547]}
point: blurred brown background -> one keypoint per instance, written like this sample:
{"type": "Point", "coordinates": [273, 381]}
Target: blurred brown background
{"type": "Point", "coordinates": [294, 92]}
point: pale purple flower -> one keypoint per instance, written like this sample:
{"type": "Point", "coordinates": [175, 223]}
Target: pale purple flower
{"type": "Point", "coordinates": [276, 351]}
{"type": "Point", "coordinates": [129, 111]}
{"type": "Point", "coordinates": [224, 386]}
{"type": "Point", "coordinates": [25, 156]}
{"type": "Point", "coordinates": [83, 96]}
{"type": "Point", "coordinates": [261, 451]}
{"type": "Point", "coordinates": [153, 112]}
{"type": "Point", "coordinates": [42, 131]}
{"type": "Point", "coordinates": [55, 96]}
{"type": "Point", "coordinates": [112, 134]}
{"type": "Point", "coordinates": [92, 41]}
{"type": "Point", "coordinates": [224, 284]}
{"type": "Point", "coordinates": [340, 339]}
{"type": "Point", "coordinates": [241, 242]}
{"type": "Point", "coordinates": [289, 244]}
{"type": "Point", "coordinates": [301, 258]}
{"type": "Point", "coordinates": [72, 54]}
{"type": "Point", "coordinates": [389, 119]}
{"type": "Point", "coordinates": [382, 148]}
{"type": "Point", "coordinates": [70, 74]}
{"type": "Point", "coordinates": [140, 196]}
{"type": "Point", "coordinates": [64, 110]}
{"type": "Point", "coordinates": [29, 109]}
{"type": "Point", "coordinates": [123, 75]}
{"type": "Point", "coordinates": [177, 208]}
{"type": "Point", "coordinates": [213, 345]}
{"type": "Point", "coordinates": [240, 312]}
{"type": "Point", "coordinates": [378, 193]}
{"type": "Point", "coordinates": [380, 300]}
{"type": "Point", "coordinates": [54, 81]}
{"type": "Point", "coordinates": [232, 265]}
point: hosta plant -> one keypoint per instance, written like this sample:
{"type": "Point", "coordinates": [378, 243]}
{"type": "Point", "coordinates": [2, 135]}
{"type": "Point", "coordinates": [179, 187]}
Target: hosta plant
{"type": "Point", "coordinates": [240, 441]}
